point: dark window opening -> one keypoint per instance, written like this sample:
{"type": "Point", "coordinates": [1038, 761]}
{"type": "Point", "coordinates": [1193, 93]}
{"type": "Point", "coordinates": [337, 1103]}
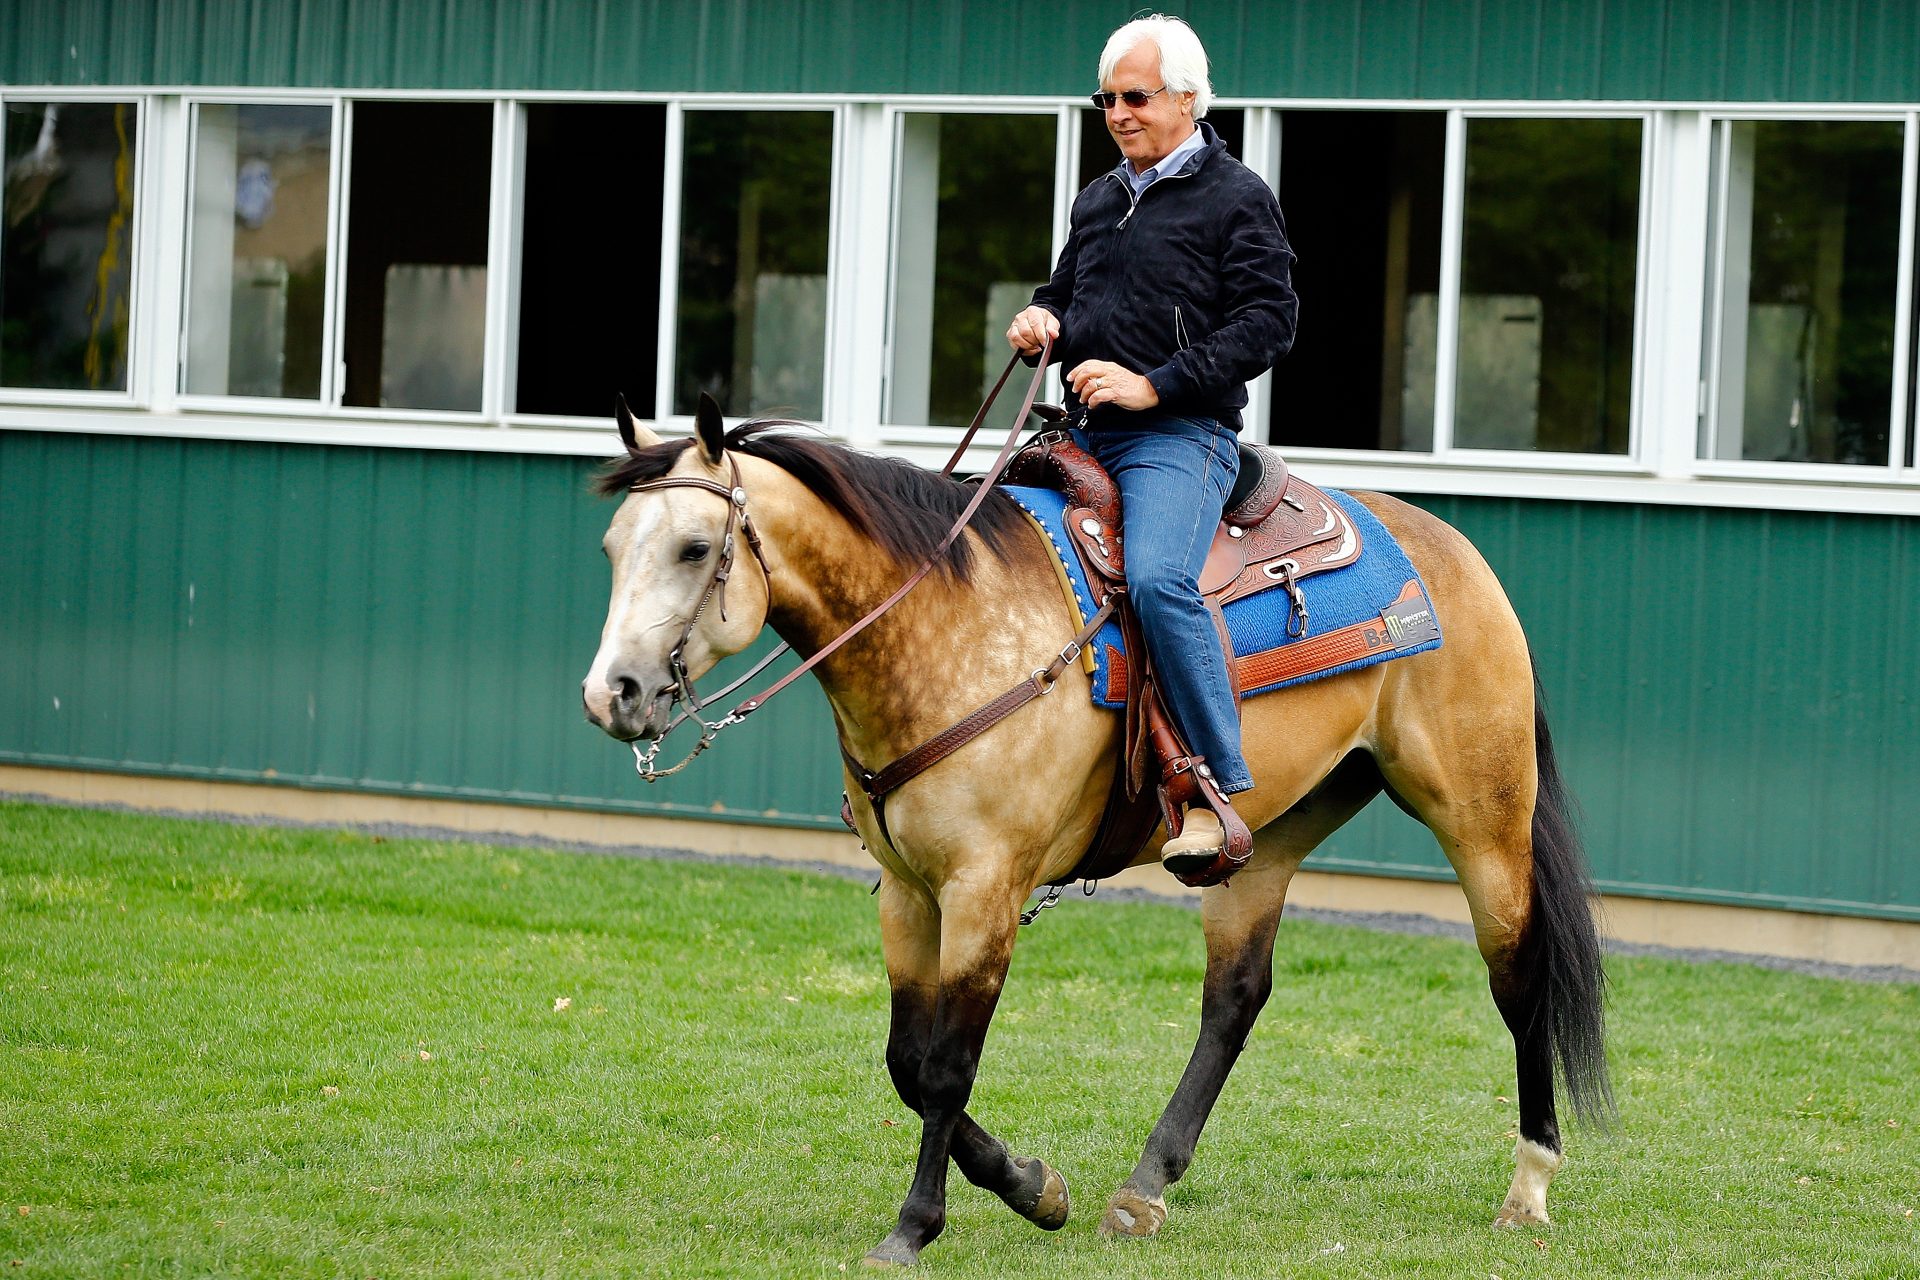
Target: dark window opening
{"type": "Point", "coordinates": [416, 292]}
{"type": "Point", "coordinates": [1360, 192]}
{"type": "Point", "coordinates": [590, 259]}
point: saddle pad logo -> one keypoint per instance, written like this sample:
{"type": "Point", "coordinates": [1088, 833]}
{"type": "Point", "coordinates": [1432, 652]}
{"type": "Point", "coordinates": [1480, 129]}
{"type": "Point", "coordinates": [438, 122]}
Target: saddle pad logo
{"type": "Point", "coordinates": [1408, 623]}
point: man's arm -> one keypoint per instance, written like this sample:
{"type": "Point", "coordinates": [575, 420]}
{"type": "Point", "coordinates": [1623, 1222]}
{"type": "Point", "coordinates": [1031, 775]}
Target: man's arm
{"type": "Point", "coordinates": [1256, 284]}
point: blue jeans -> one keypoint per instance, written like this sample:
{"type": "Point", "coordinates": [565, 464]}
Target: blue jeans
{"type": "Point", "coordinates": [1174, 478]}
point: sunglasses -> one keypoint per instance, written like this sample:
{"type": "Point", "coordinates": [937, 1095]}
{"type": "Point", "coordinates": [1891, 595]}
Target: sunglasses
{"type": "Point", "coordinates": [1135, 98]}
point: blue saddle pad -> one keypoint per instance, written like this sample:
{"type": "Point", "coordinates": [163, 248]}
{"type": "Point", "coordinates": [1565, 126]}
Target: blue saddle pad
{"type": "Point", "coordinates": [1373, 610]}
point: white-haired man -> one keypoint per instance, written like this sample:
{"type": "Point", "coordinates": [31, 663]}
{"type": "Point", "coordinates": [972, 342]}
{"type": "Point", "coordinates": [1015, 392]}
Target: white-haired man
{"type": "Point", "coordinates": [1174, 289]}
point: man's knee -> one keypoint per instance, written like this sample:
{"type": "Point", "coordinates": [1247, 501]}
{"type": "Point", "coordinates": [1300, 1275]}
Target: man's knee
{"type": "Point", "coordinates": [1155, 586]}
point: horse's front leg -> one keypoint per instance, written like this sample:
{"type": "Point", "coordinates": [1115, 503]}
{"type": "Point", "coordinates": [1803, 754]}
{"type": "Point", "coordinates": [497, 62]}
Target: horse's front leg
{"type": "Point", "coordinates": [1241, 919]}
{"type": "Point", "coordinates": [946, 967]}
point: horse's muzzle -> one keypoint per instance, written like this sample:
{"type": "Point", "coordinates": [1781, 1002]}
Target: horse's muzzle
{"type": "Point", "coordinates": [620, 710]}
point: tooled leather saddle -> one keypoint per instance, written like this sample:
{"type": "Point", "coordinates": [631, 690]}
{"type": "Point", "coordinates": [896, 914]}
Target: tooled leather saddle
{"type": "Point", "coordinates": [1275, 531]}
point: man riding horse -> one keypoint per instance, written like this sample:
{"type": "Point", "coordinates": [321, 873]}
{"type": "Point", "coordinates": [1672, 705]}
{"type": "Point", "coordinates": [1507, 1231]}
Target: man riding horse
{"type": "Point", "coordinates": [1173, 290]}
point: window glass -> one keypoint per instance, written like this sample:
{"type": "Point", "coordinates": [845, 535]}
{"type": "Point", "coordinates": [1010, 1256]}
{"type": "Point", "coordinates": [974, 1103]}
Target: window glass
{"type": "Point", "coordinates": [972, 241]}
{"type": "Point", "coordinates": [257, 261]}
{"type": "Point", "coordinates": [751, 317]}
{"type": "Point", "coordinates": [1361, 193]}
{"type": "Point", "coordinates": [1547, 273]}
{"type": "Point", "coordinates": [416, 300]}
{"type": "Point", "coordinates": [66, 242]}
{"type": "Point", "coordinates": [590, 258]}
{"type": "Point", "coordinates": [1807, 215]}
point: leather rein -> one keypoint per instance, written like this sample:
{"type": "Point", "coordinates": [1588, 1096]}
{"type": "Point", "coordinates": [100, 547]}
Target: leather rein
{"type": "Point", "coordinates": [738, 518]}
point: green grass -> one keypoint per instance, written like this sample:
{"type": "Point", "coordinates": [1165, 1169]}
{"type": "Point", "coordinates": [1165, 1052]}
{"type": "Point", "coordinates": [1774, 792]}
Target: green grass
{"type": "Point", "coordinates": [248, 1052]}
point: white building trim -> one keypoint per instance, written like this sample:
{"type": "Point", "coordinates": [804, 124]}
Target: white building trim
{"type": "Point", "coordinates": [1670, 384]}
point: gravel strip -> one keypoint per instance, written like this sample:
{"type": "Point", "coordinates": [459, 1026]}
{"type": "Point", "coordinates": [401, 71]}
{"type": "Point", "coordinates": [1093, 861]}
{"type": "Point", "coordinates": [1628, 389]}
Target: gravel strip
{"type": "Point", "coordinates": [1377, 921]}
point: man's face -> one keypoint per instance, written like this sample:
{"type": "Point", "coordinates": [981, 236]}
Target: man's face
{"type": "Point", "coordinates": [1148, 133]}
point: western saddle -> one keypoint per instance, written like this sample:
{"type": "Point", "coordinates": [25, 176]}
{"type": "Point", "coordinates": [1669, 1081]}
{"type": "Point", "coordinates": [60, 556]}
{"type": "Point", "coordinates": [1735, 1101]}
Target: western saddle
{"type": "Point", "coordinates": [1276, 530]}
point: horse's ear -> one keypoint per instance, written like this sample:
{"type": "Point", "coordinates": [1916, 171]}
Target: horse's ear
{"type": "Point", "coordinates": [632, 434]}
{"type": "Point", "coordinates": [709, 428]}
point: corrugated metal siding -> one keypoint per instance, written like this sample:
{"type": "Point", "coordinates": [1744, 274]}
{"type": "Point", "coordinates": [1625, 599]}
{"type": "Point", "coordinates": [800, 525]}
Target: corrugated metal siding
{"type": "Point", "coordinates": [1735, 695]}
{"type": "Point", "coordinates": [1681, 50]}
{"type": "Point", "coordinates": [373, 619]}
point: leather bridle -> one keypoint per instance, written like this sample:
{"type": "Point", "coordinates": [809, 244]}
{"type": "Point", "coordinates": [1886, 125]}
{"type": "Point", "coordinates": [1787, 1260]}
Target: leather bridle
{"type": "Point", "coordinates": [735, 496]}
{"type": "Point", "coordinates": [737, 517]}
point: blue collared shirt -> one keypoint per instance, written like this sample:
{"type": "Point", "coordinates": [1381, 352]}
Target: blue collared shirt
{"type": "Point", "coordinates": [1168, 164]}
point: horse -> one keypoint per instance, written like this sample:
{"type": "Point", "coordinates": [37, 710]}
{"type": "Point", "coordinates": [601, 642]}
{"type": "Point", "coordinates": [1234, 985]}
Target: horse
{"type": "Point", "coordinates": [1456, 736]}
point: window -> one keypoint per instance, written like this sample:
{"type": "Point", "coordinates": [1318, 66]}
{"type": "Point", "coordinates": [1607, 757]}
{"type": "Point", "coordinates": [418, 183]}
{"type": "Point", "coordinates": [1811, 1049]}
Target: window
{"type": "Point", "coordinates": [66, 244]}
{"type": "Point", "coordinates": [416, 266]}
{"type": "Point", "coordinates": [1361, 194]}
{"type": "Point", "coordinates": [257, 250]}
{"type": "Point", "coordinates": [751, 317]}
{"type": "Point", "coordinates": [973, 206]}
{"type": "Point", "coordinates": [590, 258]}
{"type": "Point", "coordinates": [1548, 268]}
{"type": "Point", "coordinates": [1802, 312]}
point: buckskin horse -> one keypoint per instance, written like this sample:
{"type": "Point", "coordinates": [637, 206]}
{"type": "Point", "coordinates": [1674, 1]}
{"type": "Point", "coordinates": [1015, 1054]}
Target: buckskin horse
{"type": "Point", "coordinates": [1455, 736]}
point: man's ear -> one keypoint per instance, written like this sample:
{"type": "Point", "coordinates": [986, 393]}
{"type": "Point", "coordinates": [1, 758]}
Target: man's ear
{"type": "Point", "coordinates": [632, 434]}
{"type": "Point", "coordinates": [709, 428]}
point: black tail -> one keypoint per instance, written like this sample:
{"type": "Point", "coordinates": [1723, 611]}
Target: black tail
{"type": "Point", "coordinates": [1565, 960]}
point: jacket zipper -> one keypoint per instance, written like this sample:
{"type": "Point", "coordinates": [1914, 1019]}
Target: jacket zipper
{"type": "Point", "coordinates": [1133, 200]}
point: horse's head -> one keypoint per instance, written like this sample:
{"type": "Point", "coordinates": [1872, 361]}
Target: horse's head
{"type": "Point", "coordinates": [686, 589]}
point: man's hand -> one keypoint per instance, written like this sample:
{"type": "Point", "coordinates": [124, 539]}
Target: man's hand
{"type": "Point", "coordinates": [1102, 382]}
{"type": "Point", "coordinates": [1030, 327]}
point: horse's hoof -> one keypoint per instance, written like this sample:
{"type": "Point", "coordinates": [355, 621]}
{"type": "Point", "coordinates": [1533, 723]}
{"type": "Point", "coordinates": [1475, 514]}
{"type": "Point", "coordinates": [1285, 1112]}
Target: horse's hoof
{"type": "Point", "coordinates": [1049, 1212]}
{"type": "Point", "coordinates": [890, 1253]}
{"type": "Point", "coordinates": [1132, 1214]}
{"type": "Point", "coordinates": [1518, 1215]}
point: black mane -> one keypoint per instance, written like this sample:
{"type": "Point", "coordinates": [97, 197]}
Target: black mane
{"type": "Point", "coordinates": [903, 508]}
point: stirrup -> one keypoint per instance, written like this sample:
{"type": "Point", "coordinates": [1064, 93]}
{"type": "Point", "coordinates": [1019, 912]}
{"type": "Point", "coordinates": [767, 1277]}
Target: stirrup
{"type": "Point", "coordinates": [1192, 853]}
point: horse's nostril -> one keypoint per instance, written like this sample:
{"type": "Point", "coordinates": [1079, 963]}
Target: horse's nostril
{"type": "Point", "coordinates": [627, 691]}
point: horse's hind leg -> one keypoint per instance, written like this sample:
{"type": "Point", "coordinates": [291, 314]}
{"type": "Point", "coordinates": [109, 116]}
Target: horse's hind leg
{"type": "Point", "coordinates": [1499, 892]}
{"type": "Point", "coordinates": [1500, 816]}
{"type": "Point", "coordinates": [1241, 919]}
{"type": "Point", "coordinates": [910, 937]}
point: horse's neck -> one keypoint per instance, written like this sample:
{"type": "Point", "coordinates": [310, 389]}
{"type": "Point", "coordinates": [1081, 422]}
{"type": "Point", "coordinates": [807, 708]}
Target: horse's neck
{"type": "Point", "coordinates": [926, 662]}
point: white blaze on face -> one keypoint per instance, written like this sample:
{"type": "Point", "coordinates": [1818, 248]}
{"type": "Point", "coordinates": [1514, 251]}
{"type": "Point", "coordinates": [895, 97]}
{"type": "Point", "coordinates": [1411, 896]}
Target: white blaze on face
{"type": "Point", "coordinates": [643, 619]}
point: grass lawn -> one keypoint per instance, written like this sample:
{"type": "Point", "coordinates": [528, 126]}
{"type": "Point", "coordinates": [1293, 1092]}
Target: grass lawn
{"type": "Point", "coordinates": [249, 1052]}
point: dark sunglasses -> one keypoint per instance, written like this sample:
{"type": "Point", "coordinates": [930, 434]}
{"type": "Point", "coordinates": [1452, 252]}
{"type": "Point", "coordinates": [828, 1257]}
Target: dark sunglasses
{"type": "Point", "coordinates": [1135, 98]}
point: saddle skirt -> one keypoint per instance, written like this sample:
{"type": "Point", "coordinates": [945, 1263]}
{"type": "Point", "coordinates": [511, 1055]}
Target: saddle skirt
{"type": "Point", "coordinates": [1307, 582]}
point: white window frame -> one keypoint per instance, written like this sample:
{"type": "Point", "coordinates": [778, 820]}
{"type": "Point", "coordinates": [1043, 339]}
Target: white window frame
{"type": "Point", "coordinates": [498, 199]}
{"type": "Point", "coordinates": [1065, 160]}
{"type": "Point", "coordinates": [264, 406]}
{"type": "Point", "coordinates": [1713, 122]}
{"type": "Point", "coordinates": [665, 419]}
{"type": "Point", "coordinates": [139, 240]}
{"type": "Point", "coordinates": [1671, 300]}
{"type": "Point", "coordinates": [1444, 452]}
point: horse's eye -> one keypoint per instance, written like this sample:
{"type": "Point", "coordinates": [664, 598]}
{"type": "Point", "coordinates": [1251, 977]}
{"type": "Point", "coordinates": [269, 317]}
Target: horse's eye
{"type": "Point", "coordinates": [695, 551]}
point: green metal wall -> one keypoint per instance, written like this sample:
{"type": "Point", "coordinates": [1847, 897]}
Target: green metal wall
{"type": "Point", "coordinates": [1681, 50]}
{"type": "Point", "coordinates": [1733, 693]}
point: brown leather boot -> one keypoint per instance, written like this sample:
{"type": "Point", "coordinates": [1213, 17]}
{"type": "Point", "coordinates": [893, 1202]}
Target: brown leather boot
{"type": "Point", "coordinates": [1200, 841]}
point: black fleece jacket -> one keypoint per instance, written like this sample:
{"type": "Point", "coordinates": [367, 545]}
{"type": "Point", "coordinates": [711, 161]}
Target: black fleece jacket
{"type": "Point", "coordinates": [1191, 285]}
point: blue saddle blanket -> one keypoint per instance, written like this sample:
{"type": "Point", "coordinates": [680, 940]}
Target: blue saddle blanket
{"type": "Point", "coordinates": [1373, 610]}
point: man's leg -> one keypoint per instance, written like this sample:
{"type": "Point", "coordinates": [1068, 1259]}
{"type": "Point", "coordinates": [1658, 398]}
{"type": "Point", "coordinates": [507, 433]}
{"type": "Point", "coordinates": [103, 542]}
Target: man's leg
{"type": "Point", "coordinates": [1174, 480]}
